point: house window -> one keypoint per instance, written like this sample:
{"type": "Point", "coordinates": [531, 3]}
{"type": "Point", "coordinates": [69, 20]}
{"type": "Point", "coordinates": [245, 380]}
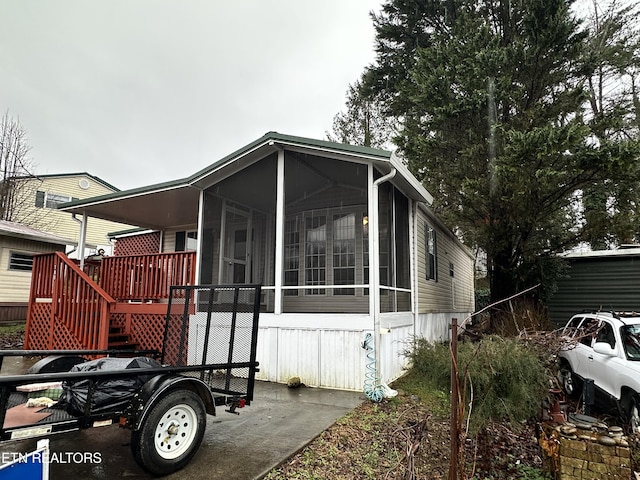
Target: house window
{"type": "Point", "coordinates": [344, 252]}
{"type": "Point", "coordinates": [20, 261]}
{"type": "Point", "coordinates": [291, 254]}
{"type": "Point", "coordinates": [186, 241]}
{"type": "Point", "coordinates": [51, 200]}
{"type": "Point", "coordinates": [431, 262]}
{"type": "Point", "coordinates": [315, 257]}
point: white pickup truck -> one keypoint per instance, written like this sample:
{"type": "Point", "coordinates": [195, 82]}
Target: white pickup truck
{"type": "Point", "coordinates": [605, 347]}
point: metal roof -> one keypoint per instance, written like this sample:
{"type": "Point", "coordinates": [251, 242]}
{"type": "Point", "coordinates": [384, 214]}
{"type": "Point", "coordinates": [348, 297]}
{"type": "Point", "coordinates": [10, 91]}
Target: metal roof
{"type": "Point", "coordinates": [175, 203]}
{"type": "Point", "coordinates": [12, 229]}
{"type": "Point", "coordinates": [620, 252]}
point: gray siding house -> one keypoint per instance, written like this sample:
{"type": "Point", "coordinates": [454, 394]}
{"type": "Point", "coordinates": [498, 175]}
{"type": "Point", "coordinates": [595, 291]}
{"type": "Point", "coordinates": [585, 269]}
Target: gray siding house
{"type": "Point", "coordinates": [340, 237]}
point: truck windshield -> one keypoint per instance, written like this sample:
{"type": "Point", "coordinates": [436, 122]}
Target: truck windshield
{"type": "Point", "coordinates": [631, 341]}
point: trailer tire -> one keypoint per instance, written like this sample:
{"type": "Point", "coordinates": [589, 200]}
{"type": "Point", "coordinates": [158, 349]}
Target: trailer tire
{"type": "Point", "coordinates": [171, 433]}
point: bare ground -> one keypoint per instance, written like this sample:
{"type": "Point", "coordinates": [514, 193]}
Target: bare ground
{"type": "Point", "coordinates": [404, 438]}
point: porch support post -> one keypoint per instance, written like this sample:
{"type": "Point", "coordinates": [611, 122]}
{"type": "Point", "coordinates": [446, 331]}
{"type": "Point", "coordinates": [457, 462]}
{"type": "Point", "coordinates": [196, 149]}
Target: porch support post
{"type": "Point", "coordinates": [83, 239]}
{"type": "Point", "coordinates": [200, 236]}
{"type": "Point", "coordinates": [279, 254]}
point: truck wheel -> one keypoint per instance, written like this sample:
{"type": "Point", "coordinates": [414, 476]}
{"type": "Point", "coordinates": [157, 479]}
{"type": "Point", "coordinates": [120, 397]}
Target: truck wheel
{"type": "Point", "coordinates": [567, 380]}
{"type": "Point", "coordinates": [171, 433]}
{"type": "Point", "coordinates": [633, 414]}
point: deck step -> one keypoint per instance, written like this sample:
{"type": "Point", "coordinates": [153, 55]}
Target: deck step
{"type": "Point", "coordinates": [119, 339]}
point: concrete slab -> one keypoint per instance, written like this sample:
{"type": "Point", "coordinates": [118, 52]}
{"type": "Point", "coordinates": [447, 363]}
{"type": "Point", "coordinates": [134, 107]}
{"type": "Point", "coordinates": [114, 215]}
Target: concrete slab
{"type": "Point", "coordinates": [278, 423]}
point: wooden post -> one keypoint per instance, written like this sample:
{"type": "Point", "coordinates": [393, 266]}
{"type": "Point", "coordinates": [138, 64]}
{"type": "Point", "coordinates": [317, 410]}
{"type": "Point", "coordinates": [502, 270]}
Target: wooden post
{"type": "Point", "coordinates": [453, 458]}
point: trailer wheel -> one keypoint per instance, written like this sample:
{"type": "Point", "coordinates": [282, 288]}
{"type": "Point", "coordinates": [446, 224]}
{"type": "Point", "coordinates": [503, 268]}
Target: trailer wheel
{"type": "Point", "coordinates": [171, 433]}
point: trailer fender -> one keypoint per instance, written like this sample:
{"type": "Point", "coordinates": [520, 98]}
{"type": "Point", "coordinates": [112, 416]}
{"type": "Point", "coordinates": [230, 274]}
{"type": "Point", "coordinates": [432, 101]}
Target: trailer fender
{"type": "Point", "coordinates": [56, 364]}
{"type": "Point", "coordinates": [158, 386]}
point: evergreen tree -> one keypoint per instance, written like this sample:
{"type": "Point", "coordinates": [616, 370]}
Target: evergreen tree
{"type": "Point", "coordinates": [493, 102]}
{"type": "Point", "coordinates": [363, 123]}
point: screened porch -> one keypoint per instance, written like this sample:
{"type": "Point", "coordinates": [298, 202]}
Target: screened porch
{"type": "Point", "coordinates": [324, 217]}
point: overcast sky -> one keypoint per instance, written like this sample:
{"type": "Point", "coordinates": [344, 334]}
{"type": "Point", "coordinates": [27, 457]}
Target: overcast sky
{"type": "Point", "coordinates": [144, 91]}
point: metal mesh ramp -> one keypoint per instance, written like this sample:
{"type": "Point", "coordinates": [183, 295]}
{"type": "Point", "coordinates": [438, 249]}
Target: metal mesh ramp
{"type": "Point", "coordinates": [216, 326]}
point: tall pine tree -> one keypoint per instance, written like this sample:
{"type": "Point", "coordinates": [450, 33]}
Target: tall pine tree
{"type": "Point", "coordinates": [492, 100]}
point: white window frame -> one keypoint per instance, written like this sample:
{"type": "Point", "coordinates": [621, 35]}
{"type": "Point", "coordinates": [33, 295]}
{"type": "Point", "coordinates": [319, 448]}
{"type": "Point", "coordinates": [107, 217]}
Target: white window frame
{"type": "Point", "coordinates": [23, 261]}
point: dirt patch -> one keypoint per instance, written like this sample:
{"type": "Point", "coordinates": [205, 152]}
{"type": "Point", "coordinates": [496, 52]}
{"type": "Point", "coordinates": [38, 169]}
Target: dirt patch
{"type": "Point", "coordinates": [403, 439]}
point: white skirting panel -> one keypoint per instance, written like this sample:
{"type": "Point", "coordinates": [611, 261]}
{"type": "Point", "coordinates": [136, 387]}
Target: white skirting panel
{"type": "Point", "coordinates": [435, 327]}
{"type": "Point", "coordinates": [393, 346]}
{"type": "Point", "coordinates": [321, 358]}
{"type": "Point", "coordinates": [330, 353]}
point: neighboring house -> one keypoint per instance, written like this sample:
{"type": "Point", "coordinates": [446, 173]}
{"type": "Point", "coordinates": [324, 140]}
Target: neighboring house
{"type": "Point", "coordinates": [39, 199]}
{"type": "Point", "coordinates": [18, 244]}
{"type": "Point", "coordinates": [607, 280]}
{"type": "Point", "coordinates": [340, 237]}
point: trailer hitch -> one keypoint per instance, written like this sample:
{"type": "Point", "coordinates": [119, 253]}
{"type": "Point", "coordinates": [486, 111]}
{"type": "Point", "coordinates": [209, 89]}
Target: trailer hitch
{"type": "Point", "coordinates": [234, 403]}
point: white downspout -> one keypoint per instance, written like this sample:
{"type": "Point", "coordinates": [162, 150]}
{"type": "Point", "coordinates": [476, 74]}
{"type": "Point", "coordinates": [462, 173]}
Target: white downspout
{"type": "Point", "coordinates": [374, 289]}
{"type": "Point", "coordinates": [414, 267]}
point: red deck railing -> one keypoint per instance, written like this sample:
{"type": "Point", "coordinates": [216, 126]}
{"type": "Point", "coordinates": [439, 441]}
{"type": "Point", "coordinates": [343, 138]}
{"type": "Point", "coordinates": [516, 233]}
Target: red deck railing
{"type": "Point", "coordinates": [66, 308]}
{"type": "Point", "coordinates": [146, 277]}
{"type": "Point", "coordinates": [72, 309]}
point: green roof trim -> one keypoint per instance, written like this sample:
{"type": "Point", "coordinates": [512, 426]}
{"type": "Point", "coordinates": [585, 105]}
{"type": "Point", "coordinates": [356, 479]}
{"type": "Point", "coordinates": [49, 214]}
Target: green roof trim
{"type": "Point", "coordinates": [293, 140]}
{"type": "Point", "coordinates": [126, 193]}
{"type": "Point", "coordinates": [275, 137]}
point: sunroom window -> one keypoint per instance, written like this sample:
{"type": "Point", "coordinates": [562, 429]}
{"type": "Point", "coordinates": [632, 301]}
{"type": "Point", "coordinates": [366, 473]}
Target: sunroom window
{"type": "Point", "coordinates": [344, 252]}
{"type": "Point", "coordinates": [325, 253]}
{"type": "Point", "coordinates": [315, 249]}
{"type": "Point", "coordinates": [291, 254]}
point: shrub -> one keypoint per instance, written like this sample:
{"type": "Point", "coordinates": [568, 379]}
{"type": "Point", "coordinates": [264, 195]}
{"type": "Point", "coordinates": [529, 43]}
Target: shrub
{"type": "Point", "coordinates": [503, 379]}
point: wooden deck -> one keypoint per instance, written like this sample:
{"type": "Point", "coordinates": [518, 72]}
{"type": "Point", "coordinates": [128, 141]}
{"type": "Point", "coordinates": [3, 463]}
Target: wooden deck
{"type": "Point", "coordinates": [117, 302]}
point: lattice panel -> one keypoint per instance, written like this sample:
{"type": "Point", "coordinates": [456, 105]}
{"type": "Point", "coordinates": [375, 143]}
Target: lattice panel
{"type": "Point", "coordinates": [148, 331]}
{"type": "Point", "coordinates": [64, 340]}
{"type": "Point", "coordinates": [38, 327]}
{"type": "Point", "coordinates": [118, 320]}
{"type": "Point", "coordinates": [138, 244]}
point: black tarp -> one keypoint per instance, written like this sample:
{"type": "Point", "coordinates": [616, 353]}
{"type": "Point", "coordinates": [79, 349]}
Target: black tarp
{"type": "Point", "coordinates": [110, 394]}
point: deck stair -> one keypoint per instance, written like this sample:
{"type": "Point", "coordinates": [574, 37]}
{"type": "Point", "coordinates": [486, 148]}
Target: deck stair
{"type": "Point", "coordinates": [119, 304]}
{"type": "Point", "coordinates": [119, 339]}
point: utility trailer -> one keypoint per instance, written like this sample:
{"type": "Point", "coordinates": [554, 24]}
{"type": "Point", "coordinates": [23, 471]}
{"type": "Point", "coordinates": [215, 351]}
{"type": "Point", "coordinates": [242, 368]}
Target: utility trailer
{"type": "Point", "coordinates": [208, 360]}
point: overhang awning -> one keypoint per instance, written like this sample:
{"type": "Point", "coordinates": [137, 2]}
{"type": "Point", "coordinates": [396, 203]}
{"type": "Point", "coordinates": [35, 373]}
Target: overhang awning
{"type": "Point", "coordinates": [156, 207]}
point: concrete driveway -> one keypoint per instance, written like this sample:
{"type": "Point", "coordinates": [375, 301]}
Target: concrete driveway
{"type": "Point", "coordinates": [278, 423]}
